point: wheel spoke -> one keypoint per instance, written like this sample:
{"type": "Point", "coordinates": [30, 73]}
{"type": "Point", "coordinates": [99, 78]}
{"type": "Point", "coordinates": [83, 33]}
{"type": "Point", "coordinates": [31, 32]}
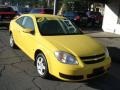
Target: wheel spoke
{"type": "Point", "coordinates": [43, 67]}
{"type": "Point", "coordinates": [11, 41]}
{"type": "Point", "coordinates": [40, 65]}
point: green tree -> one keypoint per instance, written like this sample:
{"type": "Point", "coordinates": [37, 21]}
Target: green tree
{"type": "Point", "coordinates": [77, 5]}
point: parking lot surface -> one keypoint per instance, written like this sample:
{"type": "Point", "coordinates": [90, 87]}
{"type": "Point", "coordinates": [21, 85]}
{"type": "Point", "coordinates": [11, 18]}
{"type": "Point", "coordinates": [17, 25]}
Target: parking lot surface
{"type": "Point", "coordinates": [17, 71]}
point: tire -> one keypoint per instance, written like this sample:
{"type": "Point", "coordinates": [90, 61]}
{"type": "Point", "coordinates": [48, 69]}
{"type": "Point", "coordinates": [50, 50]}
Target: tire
{"type": "Point", "coordinates": [12, 43]}
{"type": "Point", "coordinates": [41, 65]}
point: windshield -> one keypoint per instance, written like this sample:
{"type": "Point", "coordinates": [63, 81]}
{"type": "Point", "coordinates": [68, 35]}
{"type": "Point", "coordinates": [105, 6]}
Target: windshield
{"type": "Point", "coordinates": [58, 26]}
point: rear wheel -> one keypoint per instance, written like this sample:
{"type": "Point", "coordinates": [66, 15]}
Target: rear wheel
{"type": "Point", "coordinates": [42, 66]}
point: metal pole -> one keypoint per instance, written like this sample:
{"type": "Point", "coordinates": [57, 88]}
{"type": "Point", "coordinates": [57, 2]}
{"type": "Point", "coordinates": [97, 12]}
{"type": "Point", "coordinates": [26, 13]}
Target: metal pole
{"type": "Point", "coordinates": [55, 4]}
{"type": "Point", "coordinates": [48, 3]}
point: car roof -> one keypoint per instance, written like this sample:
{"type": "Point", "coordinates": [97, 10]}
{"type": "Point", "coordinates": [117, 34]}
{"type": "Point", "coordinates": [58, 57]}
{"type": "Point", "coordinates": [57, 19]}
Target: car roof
{"type": "Point", "coordinates": [42, 15]}
{"type": "Point", "coordinates": [43, 8]}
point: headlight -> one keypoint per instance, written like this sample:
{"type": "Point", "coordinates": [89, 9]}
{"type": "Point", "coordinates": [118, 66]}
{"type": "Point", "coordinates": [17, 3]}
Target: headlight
{"type": "Point", "coordinates": [106, 52]}
{"type": "Point", "coordinates": [65, 57]}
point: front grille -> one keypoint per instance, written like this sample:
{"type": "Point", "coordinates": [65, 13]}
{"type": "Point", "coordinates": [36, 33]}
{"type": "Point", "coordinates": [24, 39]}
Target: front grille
{"type": "Point", "coordinates": [93, 59]}
{"type": "Point", "coordinates": [71, 77]}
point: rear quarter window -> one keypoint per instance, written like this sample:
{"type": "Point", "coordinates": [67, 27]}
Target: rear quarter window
{"type": "Point", "coordinates": [19, 21]}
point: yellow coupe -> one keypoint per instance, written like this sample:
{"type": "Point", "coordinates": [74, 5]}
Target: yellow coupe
{"type": "Point", "coordinates": [58, 47]}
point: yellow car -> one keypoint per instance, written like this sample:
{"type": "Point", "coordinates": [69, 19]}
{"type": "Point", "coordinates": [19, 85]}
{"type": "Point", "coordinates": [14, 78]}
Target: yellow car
{"type": "Point", "coordinates": [58, 47]}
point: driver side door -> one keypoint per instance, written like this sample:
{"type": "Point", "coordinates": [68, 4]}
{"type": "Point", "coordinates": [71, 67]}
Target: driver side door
{"type": "Point", "coordinates": [28, 39]}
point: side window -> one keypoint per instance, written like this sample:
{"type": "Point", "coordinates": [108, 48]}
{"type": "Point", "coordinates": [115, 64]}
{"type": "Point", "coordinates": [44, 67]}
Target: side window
{"type": "Point", "coordinates": [28, 23]}
{"type": "Point", "coordinates": [19, 21]}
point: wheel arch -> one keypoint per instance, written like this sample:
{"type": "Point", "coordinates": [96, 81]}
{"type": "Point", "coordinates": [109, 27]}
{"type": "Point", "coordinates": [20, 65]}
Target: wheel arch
{"type": "Point", "coordinates": [10, 32]}
{"type": "Point", "coordinates": [35, 54]}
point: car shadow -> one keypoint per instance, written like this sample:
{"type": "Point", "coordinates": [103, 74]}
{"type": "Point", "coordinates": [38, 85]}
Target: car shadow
{"type": "Point", "coordinates": [114, 53]}
{"type": "Point", "coordinates": [105, 82]}
{"type": "Point", "coordinates": [53, 78]}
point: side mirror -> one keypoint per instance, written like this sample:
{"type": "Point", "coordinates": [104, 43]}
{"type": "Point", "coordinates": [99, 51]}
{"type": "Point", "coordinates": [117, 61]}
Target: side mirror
{"type": "Point", "coordinates": [27, 30]}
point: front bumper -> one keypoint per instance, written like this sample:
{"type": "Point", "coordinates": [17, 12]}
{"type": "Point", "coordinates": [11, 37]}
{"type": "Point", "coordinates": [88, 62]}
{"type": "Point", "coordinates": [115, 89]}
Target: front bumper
{"type": "Point", "coordinates": [78, 73]}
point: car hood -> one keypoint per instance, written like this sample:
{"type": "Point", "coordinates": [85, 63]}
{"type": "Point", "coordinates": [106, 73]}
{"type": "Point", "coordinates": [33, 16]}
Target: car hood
{"type": "Point", "coordinates": [80, 45]}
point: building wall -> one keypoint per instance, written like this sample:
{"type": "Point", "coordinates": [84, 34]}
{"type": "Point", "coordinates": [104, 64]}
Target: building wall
{"type": "Point", "coordinates": [111, 17]}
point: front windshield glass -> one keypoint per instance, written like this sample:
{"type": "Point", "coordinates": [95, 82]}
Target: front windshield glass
{"type": "Point", "coordinates": [57, 26]}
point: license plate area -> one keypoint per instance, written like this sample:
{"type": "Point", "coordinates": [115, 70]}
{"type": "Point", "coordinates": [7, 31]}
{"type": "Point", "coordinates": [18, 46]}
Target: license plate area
{"type": "Point", "coordinates": [96, 72]}
{"type": "Point", "coordinates": [99, 70]}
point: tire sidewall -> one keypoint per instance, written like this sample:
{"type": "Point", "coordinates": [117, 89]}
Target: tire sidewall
{"type": "Point", "coordinates": [46, 65]}
{"type": "Point", "coordinates": [13, 44]}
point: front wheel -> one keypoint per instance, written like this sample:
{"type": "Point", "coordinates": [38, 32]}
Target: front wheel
{"type": "Point", "coordinates": [42, 66]}
{"type": "Point", "coordinates": [12, 43]}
